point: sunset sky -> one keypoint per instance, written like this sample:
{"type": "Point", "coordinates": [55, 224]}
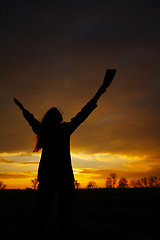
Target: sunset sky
{"type": "Point", "coordinates": [56, 54]}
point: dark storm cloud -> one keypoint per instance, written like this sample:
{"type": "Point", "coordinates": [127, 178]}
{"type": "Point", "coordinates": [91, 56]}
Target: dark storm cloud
{"type": "Point", "coordinates": [56, 54]}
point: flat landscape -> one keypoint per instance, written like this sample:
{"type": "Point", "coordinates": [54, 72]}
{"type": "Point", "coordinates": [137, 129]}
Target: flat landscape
{"type": "Point", "coordinates": [97, 214]}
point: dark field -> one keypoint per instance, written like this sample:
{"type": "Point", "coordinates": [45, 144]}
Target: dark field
{"type": "Point", "coordinates": [97, 214]}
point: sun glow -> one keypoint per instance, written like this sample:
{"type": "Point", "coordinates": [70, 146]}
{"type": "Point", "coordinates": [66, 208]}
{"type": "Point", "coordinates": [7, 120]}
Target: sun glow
{"type": "Point", "coordinates": [17, 169]}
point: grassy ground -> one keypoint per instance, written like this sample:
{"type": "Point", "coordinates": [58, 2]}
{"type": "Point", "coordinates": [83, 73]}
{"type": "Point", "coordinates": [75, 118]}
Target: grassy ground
{"type": "Point", "coordinates": [97, 214]}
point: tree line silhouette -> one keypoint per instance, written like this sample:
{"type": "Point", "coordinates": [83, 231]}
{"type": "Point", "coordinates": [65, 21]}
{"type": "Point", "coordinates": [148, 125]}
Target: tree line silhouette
{"type": "Point", "coordinates": [150, 182]}
{"type": "Point", "coordinates": [111, 182]}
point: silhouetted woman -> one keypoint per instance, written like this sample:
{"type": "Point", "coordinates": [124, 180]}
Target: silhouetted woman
{"type": "Point", "coordinates": [55, 174]}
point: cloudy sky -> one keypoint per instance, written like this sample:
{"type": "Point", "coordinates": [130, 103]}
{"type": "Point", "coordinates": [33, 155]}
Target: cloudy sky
{"type": "Point", "coordinates": [56, 54]}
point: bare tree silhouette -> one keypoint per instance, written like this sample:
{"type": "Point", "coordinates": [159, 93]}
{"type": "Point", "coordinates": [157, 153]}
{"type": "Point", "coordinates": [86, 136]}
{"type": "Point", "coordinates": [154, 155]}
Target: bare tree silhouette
{"type": "Point", "coordinates": [114, 178]}
{"type": "Point", "coordinates": [123, 183]}
{"type": "Point", "coordinates": [153, 181]}
{"type": "Point", "coordinates": [2, 186]}
{"type": "Point", "coordinates": [76, 184]}
{"type": "Point", "coordinates": [144, 182]}
{"type": "Point", "coordinates": [34, 183]}
{"type": "Point", "coordinates": [133, 183]}
{"type": "Point", "coordinates": [91, 185]}
{"type": "Point", "coordinates": [108, 182]}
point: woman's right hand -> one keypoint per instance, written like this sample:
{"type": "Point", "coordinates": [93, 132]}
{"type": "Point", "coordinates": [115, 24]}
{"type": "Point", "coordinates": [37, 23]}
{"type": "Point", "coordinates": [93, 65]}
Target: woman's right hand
{"type": "Point", "coordinates": [19, 104]}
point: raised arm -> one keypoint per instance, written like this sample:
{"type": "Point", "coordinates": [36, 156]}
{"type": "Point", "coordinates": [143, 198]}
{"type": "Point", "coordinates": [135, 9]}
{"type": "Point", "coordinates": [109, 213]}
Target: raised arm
{"type": "Point", "coordinates": [85, 111]}
{"type": "Point", "coordinates": [34, 123]}
{"type": "Point", "coordinates": [92, 104]}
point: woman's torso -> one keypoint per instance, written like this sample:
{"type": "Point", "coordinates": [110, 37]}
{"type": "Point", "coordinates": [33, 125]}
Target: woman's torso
{"type": "Point", "coordinates": [55, 164]}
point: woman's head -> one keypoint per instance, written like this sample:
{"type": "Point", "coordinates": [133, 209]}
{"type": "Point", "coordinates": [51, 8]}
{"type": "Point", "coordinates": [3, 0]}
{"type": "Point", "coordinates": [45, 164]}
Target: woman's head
{"type": "Point", "coordinates": [51, 119]}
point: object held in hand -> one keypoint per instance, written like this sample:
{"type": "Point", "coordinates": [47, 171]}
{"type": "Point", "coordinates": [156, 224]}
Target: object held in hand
{"type": "Point", "coordinates": [110, 73]}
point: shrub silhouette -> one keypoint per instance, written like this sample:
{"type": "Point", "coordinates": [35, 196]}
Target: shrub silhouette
{"type": "Point", "coordinates": [2, 186]}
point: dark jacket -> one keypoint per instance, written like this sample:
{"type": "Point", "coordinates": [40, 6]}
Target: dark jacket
{"type": "Point", "coordinates": [55, 164]}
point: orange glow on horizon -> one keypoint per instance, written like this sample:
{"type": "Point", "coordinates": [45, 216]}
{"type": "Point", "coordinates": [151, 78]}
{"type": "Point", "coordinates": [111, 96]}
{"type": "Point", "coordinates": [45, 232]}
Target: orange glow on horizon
{"type": "Point", "coordinates": [21, 168]}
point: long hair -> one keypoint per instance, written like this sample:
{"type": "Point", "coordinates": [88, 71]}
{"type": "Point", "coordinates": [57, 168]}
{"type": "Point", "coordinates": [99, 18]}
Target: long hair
{"type": "Point", "coordinates": [51, 119]}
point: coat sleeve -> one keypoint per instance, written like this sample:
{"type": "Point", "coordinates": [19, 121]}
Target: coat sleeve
{"type": "Point", "coordinates": [33, 122]}
{"type": "Point", "coordinates": [82, 115]}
